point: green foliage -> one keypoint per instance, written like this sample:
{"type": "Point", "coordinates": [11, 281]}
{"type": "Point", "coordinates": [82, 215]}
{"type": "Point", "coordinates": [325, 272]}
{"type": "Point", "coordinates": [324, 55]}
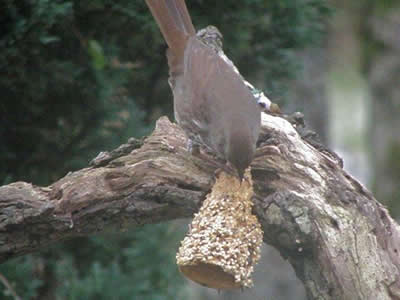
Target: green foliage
{"type": "Point", "coordinates": [80, 77]}
{"type": "Point", "coordinates": [21, 274]}
{"type": "Point", "coordinates": [372, 44]}
{"type": "Point", "coordinates": [262, 37]}
{"type": "Point", "coordinates": [97, 55]}
{"type": "Point", "coordinates": [392, 163]}
{"type": "Point", "coordinates": [64, 97]}
{"type": "Point", "coordinates": [140, 268]}
{"type": "Point", "coordinates": [138, 264]}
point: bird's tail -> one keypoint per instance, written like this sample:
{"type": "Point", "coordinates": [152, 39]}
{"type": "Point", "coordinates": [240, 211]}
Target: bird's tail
{"type": "Point", "coordinates": [174, 21]}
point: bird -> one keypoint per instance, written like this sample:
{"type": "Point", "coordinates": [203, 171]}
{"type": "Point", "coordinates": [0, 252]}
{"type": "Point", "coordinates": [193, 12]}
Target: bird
{"type": "Point", "coordinates": [212, 103]}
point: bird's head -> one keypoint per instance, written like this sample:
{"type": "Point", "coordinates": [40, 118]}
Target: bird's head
{"type": "Point", "coordinates": [240, 149]}
{"type": "Point", "coordinates": [211, 36]}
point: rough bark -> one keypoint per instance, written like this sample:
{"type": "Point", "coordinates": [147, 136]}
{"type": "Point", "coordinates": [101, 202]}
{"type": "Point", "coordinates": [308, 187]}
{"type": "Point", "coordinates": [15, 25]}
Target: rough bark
{"type": "Point", "coordinates": [341, 242]}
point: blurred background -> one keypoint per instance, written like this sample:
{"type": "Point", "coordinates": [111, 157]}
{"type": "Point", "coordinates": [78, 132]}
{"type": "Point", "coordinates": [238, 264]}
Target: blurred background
{"type": "Point", "coordinates": [80, 77]}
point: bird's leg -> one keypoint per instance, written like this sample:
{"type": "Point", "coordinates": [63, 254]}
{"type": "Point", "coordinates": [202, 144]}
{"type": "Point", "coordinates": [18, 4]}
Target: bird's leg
{"type": "Point", "coordinates": [193, 147]}
{"type": "Point", "coordinates": [220, 164]}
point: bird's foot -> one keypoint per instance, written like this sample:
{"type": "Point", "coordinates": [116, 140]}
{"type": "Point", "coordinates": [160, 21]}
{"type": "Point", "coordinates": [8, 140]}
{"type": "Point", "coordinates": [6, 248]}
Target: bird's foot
{"type": "Point", "coordinates": [193, 147]}
{"type": "Point", "coordinates": [208, 160]}
{"type": "Point", "coordinates": [203, 152]}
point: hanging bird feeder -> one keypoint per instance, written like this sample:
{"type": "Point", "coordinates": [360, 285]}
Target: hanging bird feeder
{"type": "Point", "coordinates": [225, 238]}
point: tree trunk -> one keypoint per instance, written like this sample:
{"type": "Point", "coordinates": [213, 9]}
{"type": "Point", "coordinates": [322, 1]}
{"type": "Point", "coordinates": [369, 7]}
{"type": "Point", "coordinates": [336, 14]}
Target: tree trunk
{"type": "Point", "coordinates": [380, 36]}
{"type": "Point", "coordinates": [341, 242]}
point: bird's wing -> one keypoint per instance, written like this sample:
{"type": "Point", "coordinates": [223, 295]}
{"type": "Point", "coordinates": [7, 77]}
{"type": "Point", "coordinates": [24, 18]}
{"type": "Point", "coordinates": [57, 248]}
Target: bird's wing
{"type": "Point", "coordinates": [216, 85]}
{"type": "Point", "coordinates": [218, 94]}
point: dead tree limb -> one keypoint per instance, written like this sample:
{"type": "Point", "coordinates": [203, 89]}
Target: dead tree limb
{"type": "Point", "coordinates": [341, 242]}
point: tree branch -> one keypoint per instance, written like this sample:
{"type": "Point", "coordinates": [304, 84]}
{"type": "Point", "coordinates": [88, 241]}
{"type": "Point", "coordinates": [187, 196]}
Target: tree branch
{"type": "Point", "coordinates": [341, 242]}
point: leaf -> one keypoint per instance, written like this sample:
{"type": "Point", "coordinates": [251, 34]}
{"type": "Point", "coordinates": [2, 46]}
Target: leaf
{"type": "Point", "coordinates": [96, 53]}
{"type": "Point", "coordinates": [49, 39]}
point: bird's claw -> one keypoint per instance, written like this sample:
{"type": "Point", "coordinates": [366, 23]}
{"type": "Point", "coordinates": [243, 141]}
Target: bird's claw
{"type": "Point", "coordinates": [193, 147]}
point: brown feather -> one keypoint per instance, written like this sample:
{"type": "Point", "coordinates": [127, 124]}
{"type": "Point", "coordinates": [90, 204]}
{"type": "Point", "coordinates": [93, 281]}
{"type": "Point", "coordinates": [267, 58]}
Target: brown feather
{"type": "Point", "coordinates": [211, 101]}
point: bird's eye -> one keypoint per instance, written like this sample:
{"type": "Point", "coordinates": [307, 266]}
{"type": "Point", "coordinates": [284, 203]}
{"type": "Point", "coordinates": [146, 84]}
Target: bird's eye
{"type": "Point", "coordinates": [262, 104]}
